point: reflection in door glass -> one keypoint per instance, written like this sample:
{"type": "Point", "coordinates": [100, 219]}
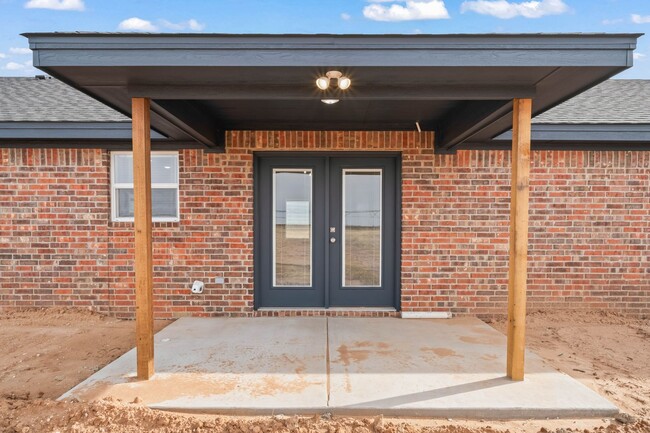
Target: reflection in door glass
{"type": "Point", "coordinates": [292, 232]}
{"type": "Point", "coordinates": [361, 228]}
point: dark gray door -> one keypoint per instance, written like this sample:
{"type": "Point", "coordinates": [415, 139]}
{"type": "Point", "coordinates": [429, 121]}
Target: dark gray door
{"type": "Point", "coordinates": [326, 232]}
{"type": "Point", "coordinates": [362, 234]}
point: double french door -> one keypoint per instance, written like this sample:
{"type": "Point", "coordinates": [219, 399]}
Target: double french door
{"type": "Point", "coordinates": [326, 232]}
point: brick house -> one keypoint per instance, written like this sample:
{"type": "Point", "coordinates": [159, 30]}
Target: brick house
{"type": "Point", "coordinates": [394, 201]}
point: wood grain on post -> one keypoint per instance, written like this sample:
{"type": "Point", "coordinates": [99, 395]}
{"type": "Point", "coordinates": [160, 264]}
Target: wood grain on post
{"type": "Point", "coordinates": [517, 278]}
{"type": "Point", "coordinates": [143, 247]}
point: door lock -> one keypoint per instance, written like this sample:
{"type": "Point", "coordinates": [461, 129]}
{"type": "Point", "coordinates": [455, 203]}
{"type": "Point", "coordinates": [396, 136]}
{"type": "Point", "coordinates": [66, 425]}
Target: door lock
{"type": "Point", "coordinates": [332, 240]}
{"type": "Point", "coordinates": [332, 229]}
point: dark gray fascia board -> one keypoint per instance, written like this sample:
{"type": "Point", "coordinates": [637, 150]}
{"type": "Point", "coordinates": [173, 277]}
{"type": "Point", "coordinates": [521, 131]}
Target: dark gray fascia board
{"type": "Point", "coordinates": [550, 145]}
{"type": "Point", "coordinates": [97, 144]}
{"type": "Point", "coordinates": [105, 131]}
{"type": "Point", "coordinates": [586, 133]}
{"type": "Point", "coordinates": [113, 40]}
{"type": "Point", "coordinates": [482, 50]}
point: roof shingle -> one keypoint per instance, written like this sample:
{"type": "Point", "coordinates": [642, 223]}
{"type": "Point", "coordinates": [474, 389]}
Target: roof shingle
{"type": "Point", "coordinates": [29, 99]}
{"type": "Point", "coordinates": [611, 102]}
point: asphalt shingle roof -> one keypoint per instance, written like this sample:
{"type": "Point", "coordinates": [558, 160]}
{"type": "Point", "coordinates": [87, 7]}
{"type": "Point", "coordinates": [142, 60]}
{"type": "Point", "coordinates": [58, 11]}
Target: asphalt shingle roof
{"type": "Point", "coordinates": [28, 99]}
{"type": "Point", "coordinates": [611, 102]}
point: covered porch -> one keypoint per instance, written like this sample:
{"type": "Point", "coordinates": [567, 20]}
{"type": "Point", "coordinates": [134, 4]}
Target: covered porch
{"type": "Point", "coordinates": [345, 366]}
{"type": "Point", "coordinates": [467, 89]}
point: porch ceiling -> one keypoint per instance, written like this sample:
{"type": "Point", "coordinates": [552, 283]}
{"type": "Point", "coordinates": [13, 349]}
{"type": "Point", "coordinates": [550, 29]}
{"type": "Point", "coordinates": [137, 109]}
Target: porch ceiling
{"type": "Point", "coordinates": [460, 86]}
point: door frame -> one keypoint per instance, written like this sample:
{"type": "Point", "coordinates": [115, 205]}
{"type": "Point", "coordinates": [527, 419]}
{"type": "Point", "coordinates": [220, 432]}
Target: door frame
{"type": "Point", "coordinates": [258, 156]}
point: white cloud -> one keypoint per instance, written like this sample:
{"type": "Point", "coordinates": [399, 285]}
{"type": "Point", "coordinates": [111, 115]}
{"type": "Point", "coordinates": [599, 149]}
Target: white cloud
{"type": "Point", "coordinates": [190, 24]}
{"type": "Point", "coordinates": [2, 55]}
{"type": "Point", "coordinates": [506, 9]}
{"type": "Point", "coordinates": [410, 10]}
{"type": "Point", "coordinates": [640, 19]}
{"type": "Point", "coordinates": [610, 22]}
{"type": "Point", "coordinates": [13, 66]}
{"type": "Point", "coordinates": [638, 56]}
{"type": "Point", "coordinates": [16, 66]}
{"type": "Point", "coordinates": [346, 16]}
{"type": "Point", "coordinates": [195, 25]}
{"type": "Point", "coordinates": [59, 5]}
{"type": "Point", "coordinates": [136, 24]}
{"type": "Point", "coordinates": [20, 51]}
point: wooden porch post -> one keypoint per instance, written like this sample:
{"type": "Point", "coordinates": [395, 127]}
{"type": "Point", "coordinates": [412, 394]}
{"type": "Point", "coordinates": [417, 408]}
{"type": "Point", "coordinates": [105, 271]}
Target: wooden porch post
{"type": "Point", "coordinates": [518, 237]}
{"type": "Point", "coordinates": [143, 249]}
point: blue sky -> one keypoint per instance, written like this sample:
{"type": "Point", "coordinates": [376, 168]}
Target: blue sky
{"type": "Point", "coordinates": [307, 16]}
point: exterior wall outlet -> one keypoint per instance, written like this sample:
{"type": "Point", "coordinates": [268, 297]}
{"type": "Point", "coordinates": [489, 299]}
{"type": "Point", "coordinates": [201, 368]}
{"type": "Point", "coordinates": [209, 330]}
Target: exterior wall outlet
{"type": "Point", "coordinates": [197, 287]}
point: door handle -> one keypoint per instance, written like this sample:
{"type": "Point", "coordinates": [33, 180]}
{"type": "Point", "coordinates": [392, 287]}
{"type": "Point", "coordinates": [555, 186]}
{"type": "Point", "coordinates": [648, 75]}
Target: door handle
{"type": "Point", "coordinates": [332, 240]}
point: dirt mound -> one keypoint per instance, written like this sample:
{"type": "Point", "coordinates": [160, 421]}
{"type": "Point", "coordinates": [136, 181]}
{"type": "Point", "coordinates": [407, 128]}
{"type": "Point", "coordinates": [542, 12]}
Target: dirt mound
{"type": "Point", "coordinates": [46, 415]}
{"type": "Point", "coordinates": [26, 416]}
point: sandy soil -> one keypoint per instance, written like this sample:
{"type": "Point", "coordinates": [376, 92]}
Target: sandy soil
{"type": "Point", "coordinates": [46, 352]}
{"type": "Point", "coordinates": [608, 352]}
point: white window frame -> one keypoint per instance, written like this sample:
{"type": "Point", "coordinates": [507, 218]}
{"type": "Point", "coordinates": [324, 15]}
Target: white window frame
{"type": "Point", "coordinates": [115, 186]}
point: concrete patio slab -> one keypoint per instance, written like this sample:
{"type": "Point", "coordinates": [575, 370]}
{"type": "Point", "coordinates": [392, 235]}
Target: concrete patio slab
{"type": "Point", "coordinates": [444, 368]}
{"type": "Point", "coordinates": [356, 366]}
{"type": "Point", "coordinates": [230, 365]}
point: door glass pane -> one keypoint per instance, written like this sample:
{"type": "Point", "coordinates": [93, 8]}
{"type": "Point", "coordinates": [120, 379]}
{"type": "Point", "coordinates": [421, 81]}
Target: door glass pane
{"type": "Point", "coordinates": [292, 231]}
{"type": "Point", "coordinates": [362, 228]}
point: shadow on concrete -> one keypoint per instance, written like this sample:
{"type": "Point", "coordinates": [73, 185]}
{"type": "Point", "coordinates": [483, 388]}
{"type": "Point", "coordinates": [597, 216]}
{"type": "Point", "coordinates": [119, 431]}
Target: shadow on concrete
{"type": "Point", "coordinates": [436, 393]}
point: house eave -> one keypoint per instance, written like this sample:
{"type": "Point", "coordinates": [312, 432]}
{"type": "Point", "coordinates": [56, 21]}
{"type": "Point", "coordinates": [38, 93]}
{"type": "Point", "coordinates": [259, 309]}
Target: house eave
{"type": "Point", "coordinates": [179, 68]}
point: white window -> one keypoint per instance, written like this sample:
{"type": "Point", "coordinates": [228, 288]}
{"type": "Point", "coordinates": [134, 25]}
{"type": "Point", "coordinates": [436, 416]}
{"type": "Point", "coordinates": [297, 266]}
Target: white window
{"type": "Point", "coordinates": [164, 186]}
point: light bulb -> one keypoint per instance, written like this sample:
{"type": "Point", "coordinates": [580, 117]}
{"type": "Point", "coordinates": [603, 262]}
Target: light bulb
{"type": "Point", "coordinates": [329, 101]}
{"type": "Point", "coordinates": [344, 83]}
{"type": "Point", "coordinates": [323, 83]}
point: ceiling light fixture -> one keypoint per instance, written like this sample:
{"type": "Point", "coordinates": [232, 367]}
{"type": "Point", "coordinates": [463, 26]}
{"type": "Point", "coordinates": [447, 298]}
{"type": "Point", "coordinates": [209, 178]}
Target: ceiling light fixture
{"type": "Point", "coordinates": [329, 101]}
{"type": "Point", "coordinates": [323, 83]}
{"type": "Point", "coordinates": [342, 82]}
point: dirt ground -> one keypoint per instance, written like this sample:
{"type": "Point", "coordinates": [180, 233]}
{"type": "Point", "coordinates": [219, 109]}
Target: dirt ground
{"type": "Point", "coordinates": [45, 352]}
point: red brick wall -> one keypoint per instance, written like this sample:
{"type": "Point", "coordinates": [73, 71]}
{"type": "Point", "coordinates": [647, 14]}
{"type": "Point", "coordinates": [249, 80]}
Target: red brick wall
{"type": "Point", "coordinates": [589, 234]}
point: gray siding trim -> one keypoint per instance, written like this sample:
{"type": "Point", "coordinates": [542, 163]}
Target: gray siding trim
{"type": "Point", "coordinates": [586, 133]}
{"type": "Point", "coordinates": [68, 131]}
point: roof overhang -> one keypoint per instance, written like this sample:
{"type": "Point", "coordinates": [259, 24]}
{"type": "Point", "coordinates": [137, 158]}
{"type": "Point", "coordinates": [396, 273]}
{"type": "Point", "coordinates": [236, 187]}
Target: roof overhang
{"type": "Point", "coordinates": [74, 134]}
{"type": "Point", "coordinates": [460, 86]}
{"type": "Point", "coordinates": [596, 136]}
